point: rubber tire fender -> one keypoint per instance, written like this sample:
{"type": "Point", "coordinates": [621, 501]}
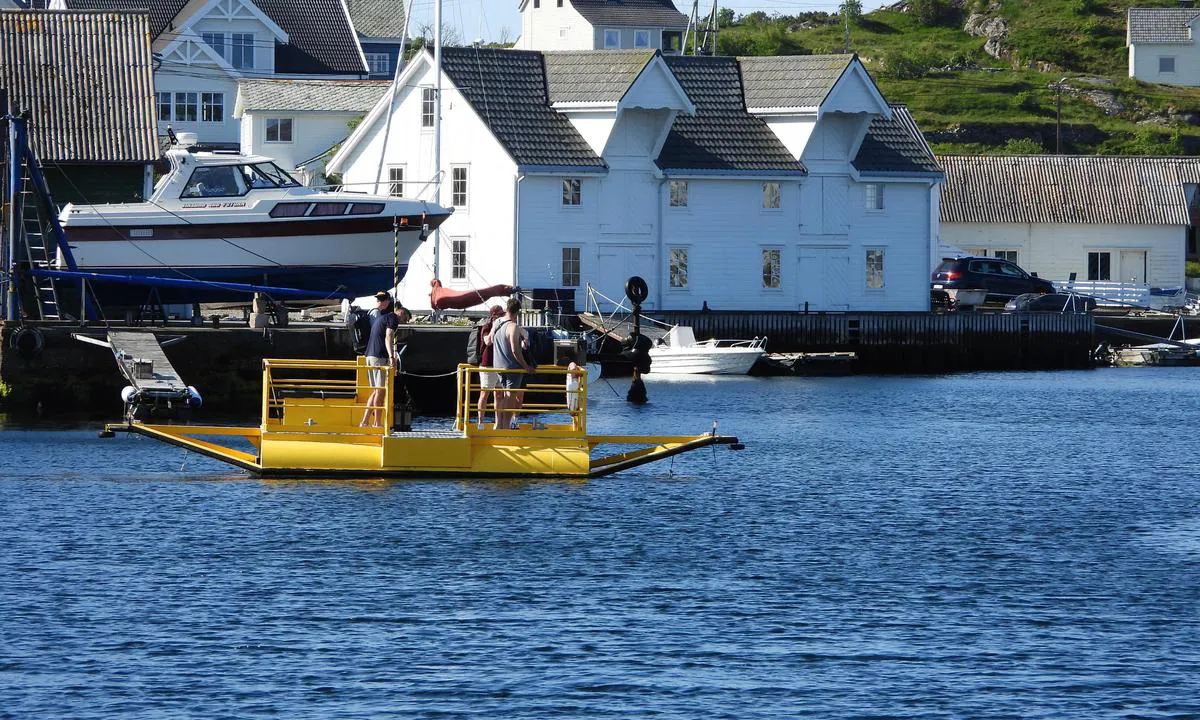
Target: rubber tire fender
{"type": "Point", "coordinates": [636, 290]}
{"type": "Point", "coordinates": [28, 341]}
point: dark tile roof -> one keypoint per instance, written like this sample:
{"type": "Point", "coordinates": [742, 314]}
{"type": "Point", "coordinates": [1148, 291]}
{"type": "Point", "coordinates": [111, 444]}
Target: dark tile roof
{"type": "Point", "coordinates": [377, 18]}
{"type": "Point", "coordinates": [721, 137]}
{"type": "Point", "coordinates": [507, 89]}
{"type": "Point", "coordinates": [895, 147]}
{"type": "Point", "coordinates": [593, 76]}
{"type": "Point", "coordinates": [1161, 25]}
{"type": "Point", "coordinates": [87, 78]}
{"type": "Point", "coordinates": [651, 13]}
{"type": "Point", "coordinates": [320, 38]}
{"type": "Point", "coordinates": [789, 81]}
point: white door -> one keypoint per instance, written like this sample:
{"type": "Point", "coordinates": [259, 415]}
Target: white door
{"type": "Point", "coordinates": [824, 278]}
{"type": "Point", "coordinates": [1133, 266]}
{"type": "Point", "coordinates": [617, 263]}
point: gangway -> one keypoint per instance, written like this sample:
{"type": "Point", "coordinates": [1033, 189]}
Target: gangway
{"type": "Point", "coordinates": [157, 388]}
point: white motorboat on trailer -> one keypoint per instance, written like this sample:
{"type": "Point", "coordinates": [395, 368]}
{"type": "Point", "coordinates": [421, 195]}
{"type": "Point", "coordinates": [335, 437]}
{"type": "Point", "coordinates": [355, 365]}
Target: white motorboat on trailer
{"type": "Point", "coordinates": [223, 217]}
{"type": "Point", "coordinates": [679, 353]}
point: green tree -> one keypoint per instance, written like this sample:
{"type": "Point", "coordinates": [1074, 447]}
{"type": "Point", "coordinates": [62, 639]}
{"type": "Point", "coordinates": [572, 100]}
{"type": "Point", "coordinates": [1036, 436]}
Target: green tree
{"type": "Point", "coordinates": [851, 9]}
{"type": "Point", "coordinates": [725, 17]}
{"type": "Point", "coordinates": [931, 12]}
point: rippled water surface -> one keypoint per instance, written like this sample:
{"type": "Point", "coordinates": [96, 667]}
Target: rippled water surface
{"type": "Point", "coordinates": [992, 545]}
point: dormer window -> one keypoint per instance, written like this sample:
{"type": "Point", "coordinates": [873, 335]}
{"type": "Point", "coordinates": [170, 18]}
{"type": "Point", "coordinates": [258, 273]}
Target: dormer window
{"type": "Point", "coordinates": [641, 38]}
{"type": "Point", "coordinates": [241, 50]}
{"type": "Point", "coordinates": [612, 39]}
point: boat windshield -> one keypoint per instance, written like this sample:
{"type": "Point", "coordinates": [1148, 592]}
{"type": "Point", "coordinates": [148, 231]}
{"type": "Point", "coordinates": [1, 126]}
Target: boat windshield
{"type": "Point", "coordinates": [235, 180]}
{"type": "Point", "coordinates": [267, 174]}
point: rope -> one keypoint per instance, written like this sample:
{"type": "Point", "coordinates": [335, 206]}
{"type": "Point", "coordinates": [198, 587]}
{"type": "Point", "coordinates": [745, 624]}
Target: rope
{"type": "Point", "coordinates": [446, 374]}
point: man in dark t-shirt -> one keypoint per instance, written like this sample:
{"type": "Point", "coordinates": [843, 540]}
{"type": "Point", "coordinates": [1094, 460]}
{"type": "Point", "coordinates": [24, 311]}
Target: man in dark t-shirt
{"type": "Point", "coordinates": [381, 357]}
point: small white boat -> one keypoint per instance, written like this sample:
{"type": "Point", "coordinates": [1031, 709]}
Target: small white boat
{"type": "Point", "coordinates": [223, 217]}
{"type": "Point", "coordinates": [679, 353]}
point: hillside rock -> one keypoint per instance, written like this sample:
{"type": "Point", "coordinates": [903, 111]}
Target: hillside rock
{"type": "Point", "coordinates": [1102, 99]}
{"type": "Point", "coordinates": [993, 28]}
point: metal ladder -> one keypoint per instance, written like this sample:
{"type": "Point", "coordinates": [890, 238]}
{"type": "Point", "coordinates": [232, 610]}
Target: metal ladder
{"type": "Point", "coordinates": [40, 253]}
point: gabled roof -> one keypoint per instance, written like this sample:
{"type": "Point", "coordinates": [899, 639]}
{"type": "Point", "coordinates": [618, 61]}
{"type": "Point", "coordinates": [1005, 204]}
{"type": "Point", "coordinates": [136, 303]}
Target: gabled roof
{"type": "Point", "coordinates": [895, 146]}
{"type": "Point", "coordinates": [309, 95]}
{"type": "Point", "coordinates": [791, 81]}
{"type": "Point", "coordinates": [643, 13]}
{"type": "Point", "coordinates": [377, 18]}
{"type": "Point", "coordinates": [721, 137]}
{"type": "Point", "coordinates": [599, 76]}
{"type": "Point", "coordinates": [87, 78]}
{"type": "Point", "coordinates": [1161, 25]}
{"type": "Point", "coordinates": [507, 89]}
{"type": "Point", "coordinates": [1066, 189]}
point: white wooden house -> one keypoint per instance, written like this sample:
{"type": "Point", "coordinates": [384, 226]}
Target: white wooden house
{"type": "Point", "coordinates": [601, 25]}
{"type": "Point", "coordinates": [1164, 45]}
{"type": "Point", "coordinates": [753, 183]}
{"type": "Point", "coordinates": [1118, 219]}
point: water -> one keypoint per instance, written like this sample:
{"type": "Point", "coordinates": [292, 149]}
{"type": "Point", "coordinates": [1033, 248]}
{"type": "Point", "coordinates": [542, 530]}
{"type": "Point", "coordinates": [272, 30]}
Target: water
{"type": "Point", "coordinates": [988, 545]}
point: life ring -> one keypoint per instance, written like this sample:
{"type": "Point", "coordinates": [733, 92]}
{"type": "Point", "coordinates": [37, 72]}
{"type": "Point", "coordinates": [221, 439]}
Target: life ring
{"type": "Point", "coordinates": [636, 290]}
{"type": "Point", "coordinates": [28, 341]}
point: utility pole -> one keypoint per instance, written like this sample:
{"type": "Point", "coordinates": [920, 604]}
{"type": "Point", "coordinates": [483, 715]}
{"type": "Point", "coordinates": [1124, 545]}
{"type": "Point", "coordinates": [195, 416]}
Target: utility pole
{"type": "Point", "coordinates": [1058, 88]}
{"type": "Point", "coordinates": [703, 34]}
{"type": "Point", "coordinates": [437, 127]}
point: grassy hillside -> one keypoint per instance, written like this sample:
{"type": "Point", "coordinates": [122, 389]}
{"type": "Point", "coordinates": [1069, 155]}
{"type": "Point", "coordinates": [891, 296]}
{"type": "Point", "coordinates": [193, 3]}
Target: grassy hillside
{"type": "Point", "coordinates": [968, 101]}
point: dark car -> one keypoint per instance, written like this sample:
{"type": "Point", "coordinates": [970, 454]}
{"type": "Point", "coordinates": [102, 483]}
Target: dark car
{"type": "Point", "coordinates": [1051, 302]}
{"type": "Point", "coordinates": [1001, 278]}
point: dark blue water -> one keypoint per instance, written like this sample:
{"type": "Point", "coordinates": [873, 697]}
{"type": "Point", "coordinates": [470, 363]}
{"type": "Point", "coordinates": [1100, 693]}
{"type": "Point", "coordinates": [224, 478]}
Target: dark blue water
{"type": "Point", "coordinates": [994, 545]}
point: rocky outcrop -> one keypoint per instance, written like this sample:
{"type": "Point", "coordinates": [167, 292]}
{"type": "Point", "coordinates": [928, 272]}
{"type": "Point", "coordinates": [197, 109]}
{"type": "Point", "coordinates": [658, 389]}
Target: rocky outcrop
{"type": "Point", "coordinates": [991, 27]}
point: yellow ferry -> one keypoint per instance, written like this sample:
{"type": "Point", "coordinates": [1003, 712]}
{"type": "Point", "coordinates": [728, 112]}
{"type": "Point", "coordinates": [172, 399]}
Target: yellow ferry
{"type": "Point", "coordinates": [311, 411]}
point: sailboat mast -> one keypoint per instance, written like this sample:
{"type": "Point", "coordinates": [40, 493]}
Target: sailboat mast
{"type": "Point", "coordinates": [437, 127]}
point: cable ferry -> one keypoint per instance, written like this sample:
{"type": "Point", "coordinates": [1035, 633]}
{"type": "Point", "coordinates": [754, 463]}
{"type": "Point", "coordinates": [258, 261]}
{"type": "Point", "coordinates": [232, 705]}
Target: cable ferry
{"type": "Point", "coordinates": [311, 411]}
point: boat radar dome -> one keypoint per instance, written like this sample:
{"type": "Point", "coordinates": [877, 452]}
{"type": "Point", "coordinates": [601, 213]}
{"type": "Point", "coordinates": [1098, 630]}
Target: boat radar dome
{"type": "Point", "coordinates": [187, 139]}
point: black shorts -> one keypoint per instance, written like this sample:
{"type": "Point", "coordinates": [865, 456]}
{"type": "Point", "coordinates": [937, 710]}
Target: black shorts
{"type": "Point", "coordinates": [512, 380]}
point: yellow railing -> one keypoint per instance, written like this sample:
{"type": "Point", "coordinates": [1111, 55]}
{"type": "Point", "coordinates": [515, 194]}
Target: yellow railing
{"type": "Point", "coordinates": [322, 396]}
{"type": "Point", "coordinates": [556, 402]}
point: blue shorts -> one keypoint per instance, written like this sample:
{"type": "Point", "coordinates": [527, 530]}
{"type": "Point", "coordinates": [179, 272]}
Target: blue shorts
{"type": "Point", "coordinates": [512, 380]}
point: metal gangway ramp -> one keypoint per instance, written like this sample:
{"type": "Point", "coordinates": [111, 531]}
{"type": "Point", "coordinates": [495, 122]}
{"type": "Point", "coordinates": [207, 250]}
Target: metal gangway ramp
{"type": "Point", "coordinates": [141, 361]}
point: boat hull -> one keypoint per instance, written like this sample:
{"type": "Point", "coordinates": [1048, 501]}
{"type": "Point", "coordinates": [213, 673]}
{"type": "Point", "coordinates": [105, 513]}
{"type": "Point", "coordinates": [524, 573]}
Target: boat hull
{"type": "Point", "coordinates": [710, 361]}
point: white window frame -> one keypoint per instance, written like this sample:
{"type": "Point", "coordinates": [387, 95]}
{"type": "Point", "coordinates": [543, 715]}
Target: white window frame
{"type": "Point", "coordinates": [609, 32]}
{"type": "Point", "coordinates": [280, 123]}
{"type": "Point", "coordinates": [459, 247]}
{"type": "Point", "coordinates": [772, 191]}
{"type": "Point", "coordinates": [873, 198]}
{"type": "Point", "coordinates": [1172, 62]}
{"type": "Point", "coordinates": [378, 63]}
{"type": "Point", "coordinates": [875, 280]}
{"type": "Point", "coordinates": [190, 100]}
{"type": "Point", "coordinates": [1088, 264]}
{"type": "Point", "coordinates": [159, 106]}
{"type": "Point", "coordinates": [465, 193]}
{"type": "Point", "coordinates": [396, 175]}
{"type": "Point", "coordinates": [210, 101]}
{"type": "Point", "coordinates": [572, 196]}
{"type": "Point", "coordinates": [428, 107]}
{"type": "Point", "coordinates": [677, 281]}
{"type": "Point", "coordinates": [220, 47]}
{"type": "Point", "coordinates": [637, 35]}
{"type": "Point", "coordinates": [777, 251]}
{"type": "Point", "coordinates": [680, 199]}
{"type": "Point", "coordinates": [568, 261]}
{"type": "Point", "coordinates": [241, 50]}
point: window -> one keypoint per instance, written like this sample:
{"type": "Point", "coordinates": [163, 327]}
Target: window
{"type": "Point", "coordinates": [874, 269]}
{"type": "Point", "coordinates": [537, 4]}
{"type": "Point", "coordinates": [1009, 255]}
{"type": "Point", "coordinates": [572, 192]}
{"type": "Point", "coordinates": [771, 196]}
{"type": "Point", "coordinates": [291, 209]}
{"type": "Point", "coordinates": [562, 32]}
{"type": "Point", "coordinates": [365, 209]}
{"type": "Point", "coordinates": [396, 181]}
{"type": "Point", "coordinates": [279, 130]}
{"type": "Point", "coordinates": [874, 192]}
{"type": "Point", "coordinates": [379, 63]}
{"type": "Point", "coordinates": [458, 259]}
{"type": "Point", "coordinates": [679, 193]}
{"type": "Point", "coordinates": [164, 105]}
{"type": "Point", "coordinates": [458, 186]}
{"type": "Point", "coordinates": [679, 267]}
{"type": "Point", "coordinates": [327, 209]}
{"type": "Point", "coordinates": [427, 109]}
{"type": "Point", "coordinates": [1166, 64]}
{"type": "Point", "coordinates": [185, 106]}
{"type": "Point", "coordinates": [612, 39]}
{"type": "Point", "coordinates": [672, 42]}
{"type": "Point", "coordinates": [772, 265]}
{"type": "Point", "coordinates": [570, 267]}
{"type": "Point", "coordinates": [216, 41]}
{"type": "Point", "coordinates": [212, 107]}
{"type": "Point", "coordinates": [641, 38]}
{"type": "Point", "coordinates": [215, 181]}
{"type": "Point", "coordinates": [1099, 266]}
{"type": "Point", "coordinates": [560, 2]}
{"type": "Point", "coordinates": [241, 48]}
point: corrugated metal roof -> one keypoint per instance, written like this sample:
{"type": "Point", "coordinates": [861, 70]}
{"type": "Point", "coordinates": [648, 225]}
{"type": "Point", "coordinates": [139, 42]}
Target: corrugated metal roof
{"type": "Point", "coordinates": [1066, 189]}
{"type": "Point", "coordinates": [377, 18]}
{"type": "Point", "coordinates": [87, 77]}
{"type": "Point", "coordinates": [645, 13]}
{"type": "Point", "coordinates": [310, 95]}
{"type": "Point", "coordinates": [791, 80]}
{"type": "Point", "coordinates": [1161, 25]}
{"type": "Point", "coordinates": [597, 76]}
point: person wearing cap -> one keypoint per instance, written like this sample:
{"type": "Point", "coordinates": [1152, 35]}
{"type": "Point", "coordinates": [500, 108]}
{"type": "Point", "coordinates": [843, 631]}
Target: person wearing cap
{"type": "Point", "coordinates": [488, 379]}
{"type": "Point", "coordinates": [381, 357]}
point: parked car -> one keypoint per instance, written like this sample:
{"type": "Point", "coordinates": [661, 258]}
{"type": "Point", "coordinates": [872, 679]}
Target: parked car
{"type": "Point", "coordinates": [1001, 278]}
{"type": "Point", "coordinates": [1051, 302]}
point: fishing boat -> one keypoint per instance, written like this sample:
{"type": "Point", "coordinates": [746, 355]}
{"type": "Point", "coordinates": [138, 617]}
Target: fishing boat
{"type": "Point", "coordinates": [677, 352]}
{"type": "Point", "coordinates": [310, 427]}
{"type": "Point", "coordinates": [223, 217]}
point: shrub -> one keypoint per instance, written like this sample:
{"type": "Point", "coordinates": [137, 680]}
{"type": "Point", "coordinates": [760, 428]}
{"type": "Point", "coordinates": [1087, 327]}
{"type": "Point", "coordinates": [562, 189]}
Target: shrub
{"type": "Point", "coordinates": [1022, 146]}
{"type": "Point", "coordinates": [1192, 269]}
{"type": "Point", "coordinates": [910, 64]}
{"type": "Point", "coordinates": [931, 12]}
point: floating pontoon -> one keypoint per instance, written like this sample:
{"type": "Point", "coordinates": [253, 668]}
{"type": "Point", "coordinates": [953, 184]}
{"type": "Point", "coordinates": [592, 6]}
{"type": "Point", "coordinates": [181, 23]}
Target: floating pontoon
{"type": "Point", "coordinates": [311, 410]}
